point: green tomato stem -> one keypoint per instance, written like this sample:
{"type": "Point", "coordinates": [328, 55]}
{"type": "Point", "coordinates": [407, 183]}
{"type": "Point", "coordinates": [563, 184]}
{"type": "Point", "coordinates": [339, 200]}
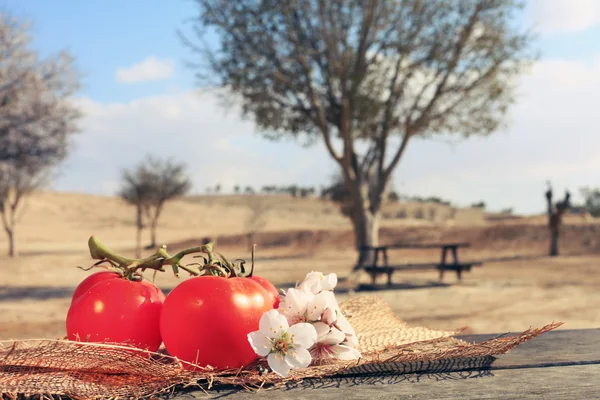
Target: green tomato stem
{"type": "Point", "coordinates": [156, 261]}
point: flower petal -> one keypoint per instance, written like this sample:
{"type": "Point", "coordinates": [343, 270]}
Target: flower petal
{"type": "Point", "coordinates": [312, 282]}
{"type": "Point", "coordinates": [260, 343]}
{"type": "Point", "coordinates": [329, 316]}
{"type": "Point", "coordinates": [278, 364]}
{"type": "Point", "coordinates": [345, 353]}
{"type": "Point", "coordinates": [302, 335]}
{"type": "Point", "coordinates": [320, 303]}
{"type": "Point", "coordinates": [272, 324]}
{"type": "Point", "coordinates": [343, 324]}
{"type": "Point", "coordinates": [299, 358]}
{"type": "Point", "coordinates": [294, 305]}
{"type": "Point", "coordinates": [329, 281]}
{"type": "Point", "coordinates": [334, 337]}
{"type": "Point", "coordinates": [321, 328]}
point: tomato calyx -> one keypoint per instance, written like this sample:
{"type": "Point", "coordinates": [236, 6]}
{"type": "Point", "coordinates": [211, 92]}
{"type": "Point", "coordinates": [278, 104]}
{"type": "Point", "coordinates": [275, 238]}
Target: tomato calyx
{"type": "Point", "coordinates": [212, 263]}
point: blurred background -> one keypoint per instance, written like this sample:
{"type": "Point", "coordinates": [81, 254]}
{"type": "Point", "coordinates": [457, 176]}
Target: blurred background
{"type": "Point", "coordinates": [313, 131]}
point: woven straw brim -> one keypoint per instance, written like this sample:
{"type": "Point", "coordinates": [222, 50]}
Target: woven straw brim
{"type": "Point", "coordinates": [90, 370]}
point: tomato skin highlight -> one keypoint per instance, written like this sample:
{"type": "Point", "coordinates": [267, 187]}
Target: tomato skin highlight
{"type": "Point", "coordinates": [205, 320]}
{"type": "Point", "coordinates": [91, 280]}
{"type": "Point", "coordinates": [269, 287]}
{"type": "Point", "coordinates": [118, 311]}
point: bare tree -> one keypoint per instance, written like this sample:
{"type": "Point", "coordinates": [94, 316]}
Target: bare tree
{"type": "Point", "coordinates": [365, 77]}
{"type": "Point", "coordinates": [152, 183]}
{"type": "Point", "coordinates": [37, 118]}
{"type": "Point", "coordinates": [170, 181]}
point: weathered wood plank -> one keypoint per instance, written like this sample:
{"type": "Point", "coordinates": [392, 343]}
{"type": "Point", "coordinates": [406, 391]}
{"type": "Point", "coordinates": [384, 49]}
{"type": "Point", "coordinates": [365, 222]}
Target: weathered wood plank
{"type": "Point", "coordinates": [557, 383]}
{"type": "Point", "coordinates": [558, 365]}
{"type": "Point", "coordinates": [563, 347]}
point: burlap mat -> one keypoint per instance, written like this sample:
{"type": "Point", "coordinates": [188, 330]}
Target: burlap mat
{"type": "Point", "coordinates": [88, 370]}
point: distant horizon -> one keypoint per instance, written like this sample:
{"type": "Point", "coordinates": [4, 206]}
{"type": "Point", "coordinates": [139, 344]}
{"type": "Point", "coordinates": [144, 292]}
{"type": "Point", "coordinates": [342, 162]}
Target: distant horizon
{"type": "Point", "coordinates": [316, 196]}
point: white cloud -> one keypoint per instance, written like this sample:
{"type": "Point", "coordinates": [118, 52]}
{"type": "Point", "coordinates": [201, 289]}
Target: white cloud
{"type": "Point", "coordinates": [150, 69]}
{"type": "Point", "coordinates": [553, 135]}
{"type": "Point", "coordinates": [216, 144]}
{"type": "Point", "coordinates": [564, 16]}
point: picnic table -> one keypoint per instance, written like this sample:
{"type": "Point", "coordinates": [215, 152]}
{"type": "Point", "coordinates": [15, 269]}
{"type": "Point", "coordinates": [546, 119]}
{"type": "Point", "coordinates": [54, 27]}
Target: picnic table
{"type": "Point", "coordinates": [388, 269]}
{"type": "Point", "coordinates": [561, 365]}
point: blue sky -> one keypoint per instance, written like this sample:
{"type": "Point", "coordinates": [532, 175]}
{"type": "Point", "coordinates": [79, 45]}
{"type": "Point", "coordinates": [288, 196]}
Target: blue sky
{"type": "Point", "coordinates": [139, 98]}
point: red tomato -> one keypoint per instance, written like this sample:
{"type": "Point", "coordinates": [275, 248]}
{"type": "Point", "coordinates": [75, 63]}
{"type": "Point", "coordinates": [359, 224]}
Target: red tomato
{"type": "Point", "coordinates": [272, 290]}
{"type": "Point", "coordinates": [206, 320]}
{"type": "Point", "coordinates": [119, 311]}
{"type": "Point", "coordinates": [91, 280]}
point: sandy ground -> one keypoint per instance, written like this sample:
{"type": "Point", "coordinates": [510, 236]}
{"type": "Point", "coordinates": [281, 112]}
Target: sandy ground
{"type": "Point", "coordinates": [35, 288]}
{"type": "Point", "coordinates": [498, 297]}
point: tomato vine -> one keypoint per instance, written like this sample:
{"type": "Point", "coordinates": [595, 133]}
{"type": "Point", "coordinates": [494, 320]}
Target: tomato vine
{"type": "Point", "coordinates": [213, 263]}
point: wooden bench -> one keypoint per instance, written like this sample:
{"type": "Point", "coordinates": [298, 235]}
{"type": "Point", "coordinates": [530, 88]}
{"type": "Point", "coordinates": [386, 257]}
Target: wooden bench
{"type": "Point", "coordinates": [377, 269]}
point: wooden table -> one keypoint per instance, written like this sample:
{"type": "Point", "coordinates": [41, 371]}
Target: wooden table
{"type": "Point", "coordinates": [557, 365]}
{"type": "Point", "coordinates": [376, 268]}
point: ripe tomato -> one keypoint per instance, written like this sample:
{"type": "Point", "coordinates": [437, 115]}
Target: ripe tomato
{"type": "Point", "coordinates": [206, 320]}
{"type": "Point", "coordinates": [119, 311]}
{"type": "Point", "coordinates": [91, 280]}
{"type": "Point", "coordinates": [272, 290]}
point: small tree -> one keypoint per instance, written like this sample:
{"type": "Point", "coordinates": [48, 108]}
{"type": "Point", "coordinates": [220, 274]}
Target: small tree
{"type": "Point", "coordinates": [37, 118]}
{"type": "Point", "coordinates": [555, 213]}
{"type": "Point", "coordinates": [153, 182]}
{"type": "Point", "coordinates": [236, 189]}
{"type": "Point", "coordinates": [170, 181]}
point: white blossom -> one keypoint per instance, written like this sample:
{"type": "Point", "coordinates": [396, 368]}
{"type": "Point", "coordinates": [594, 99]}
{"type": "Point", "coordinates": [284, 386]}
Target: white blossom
{"type": "Point", "coordinates": [316, 282]}
{"type": "Point", "coordinates": [285, 346]}
{"type": "Point", "coordinates": [308, 324]}
{"type": "Point", "coordinates": [300, 306]}
{"type": "Point", "coordinates": [330, 344]}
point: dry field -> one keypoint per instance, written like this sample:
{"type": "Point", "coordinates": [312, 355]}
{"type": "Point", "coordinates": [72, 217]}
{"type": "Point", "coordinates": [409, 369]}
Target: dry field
{"type": "Point", "coordinates": [302, 235]}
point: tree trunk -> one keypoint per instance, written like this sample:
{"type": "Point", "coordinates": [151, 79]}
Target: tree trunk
{"type": "Point", "coordinates": [366, 233]}
{"type": "Point", "coordinates": [12, 250]}
{"type": "Point", "coordinates": [554, 235]}
{"type": "Point", "coordinates": [554, 225]}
